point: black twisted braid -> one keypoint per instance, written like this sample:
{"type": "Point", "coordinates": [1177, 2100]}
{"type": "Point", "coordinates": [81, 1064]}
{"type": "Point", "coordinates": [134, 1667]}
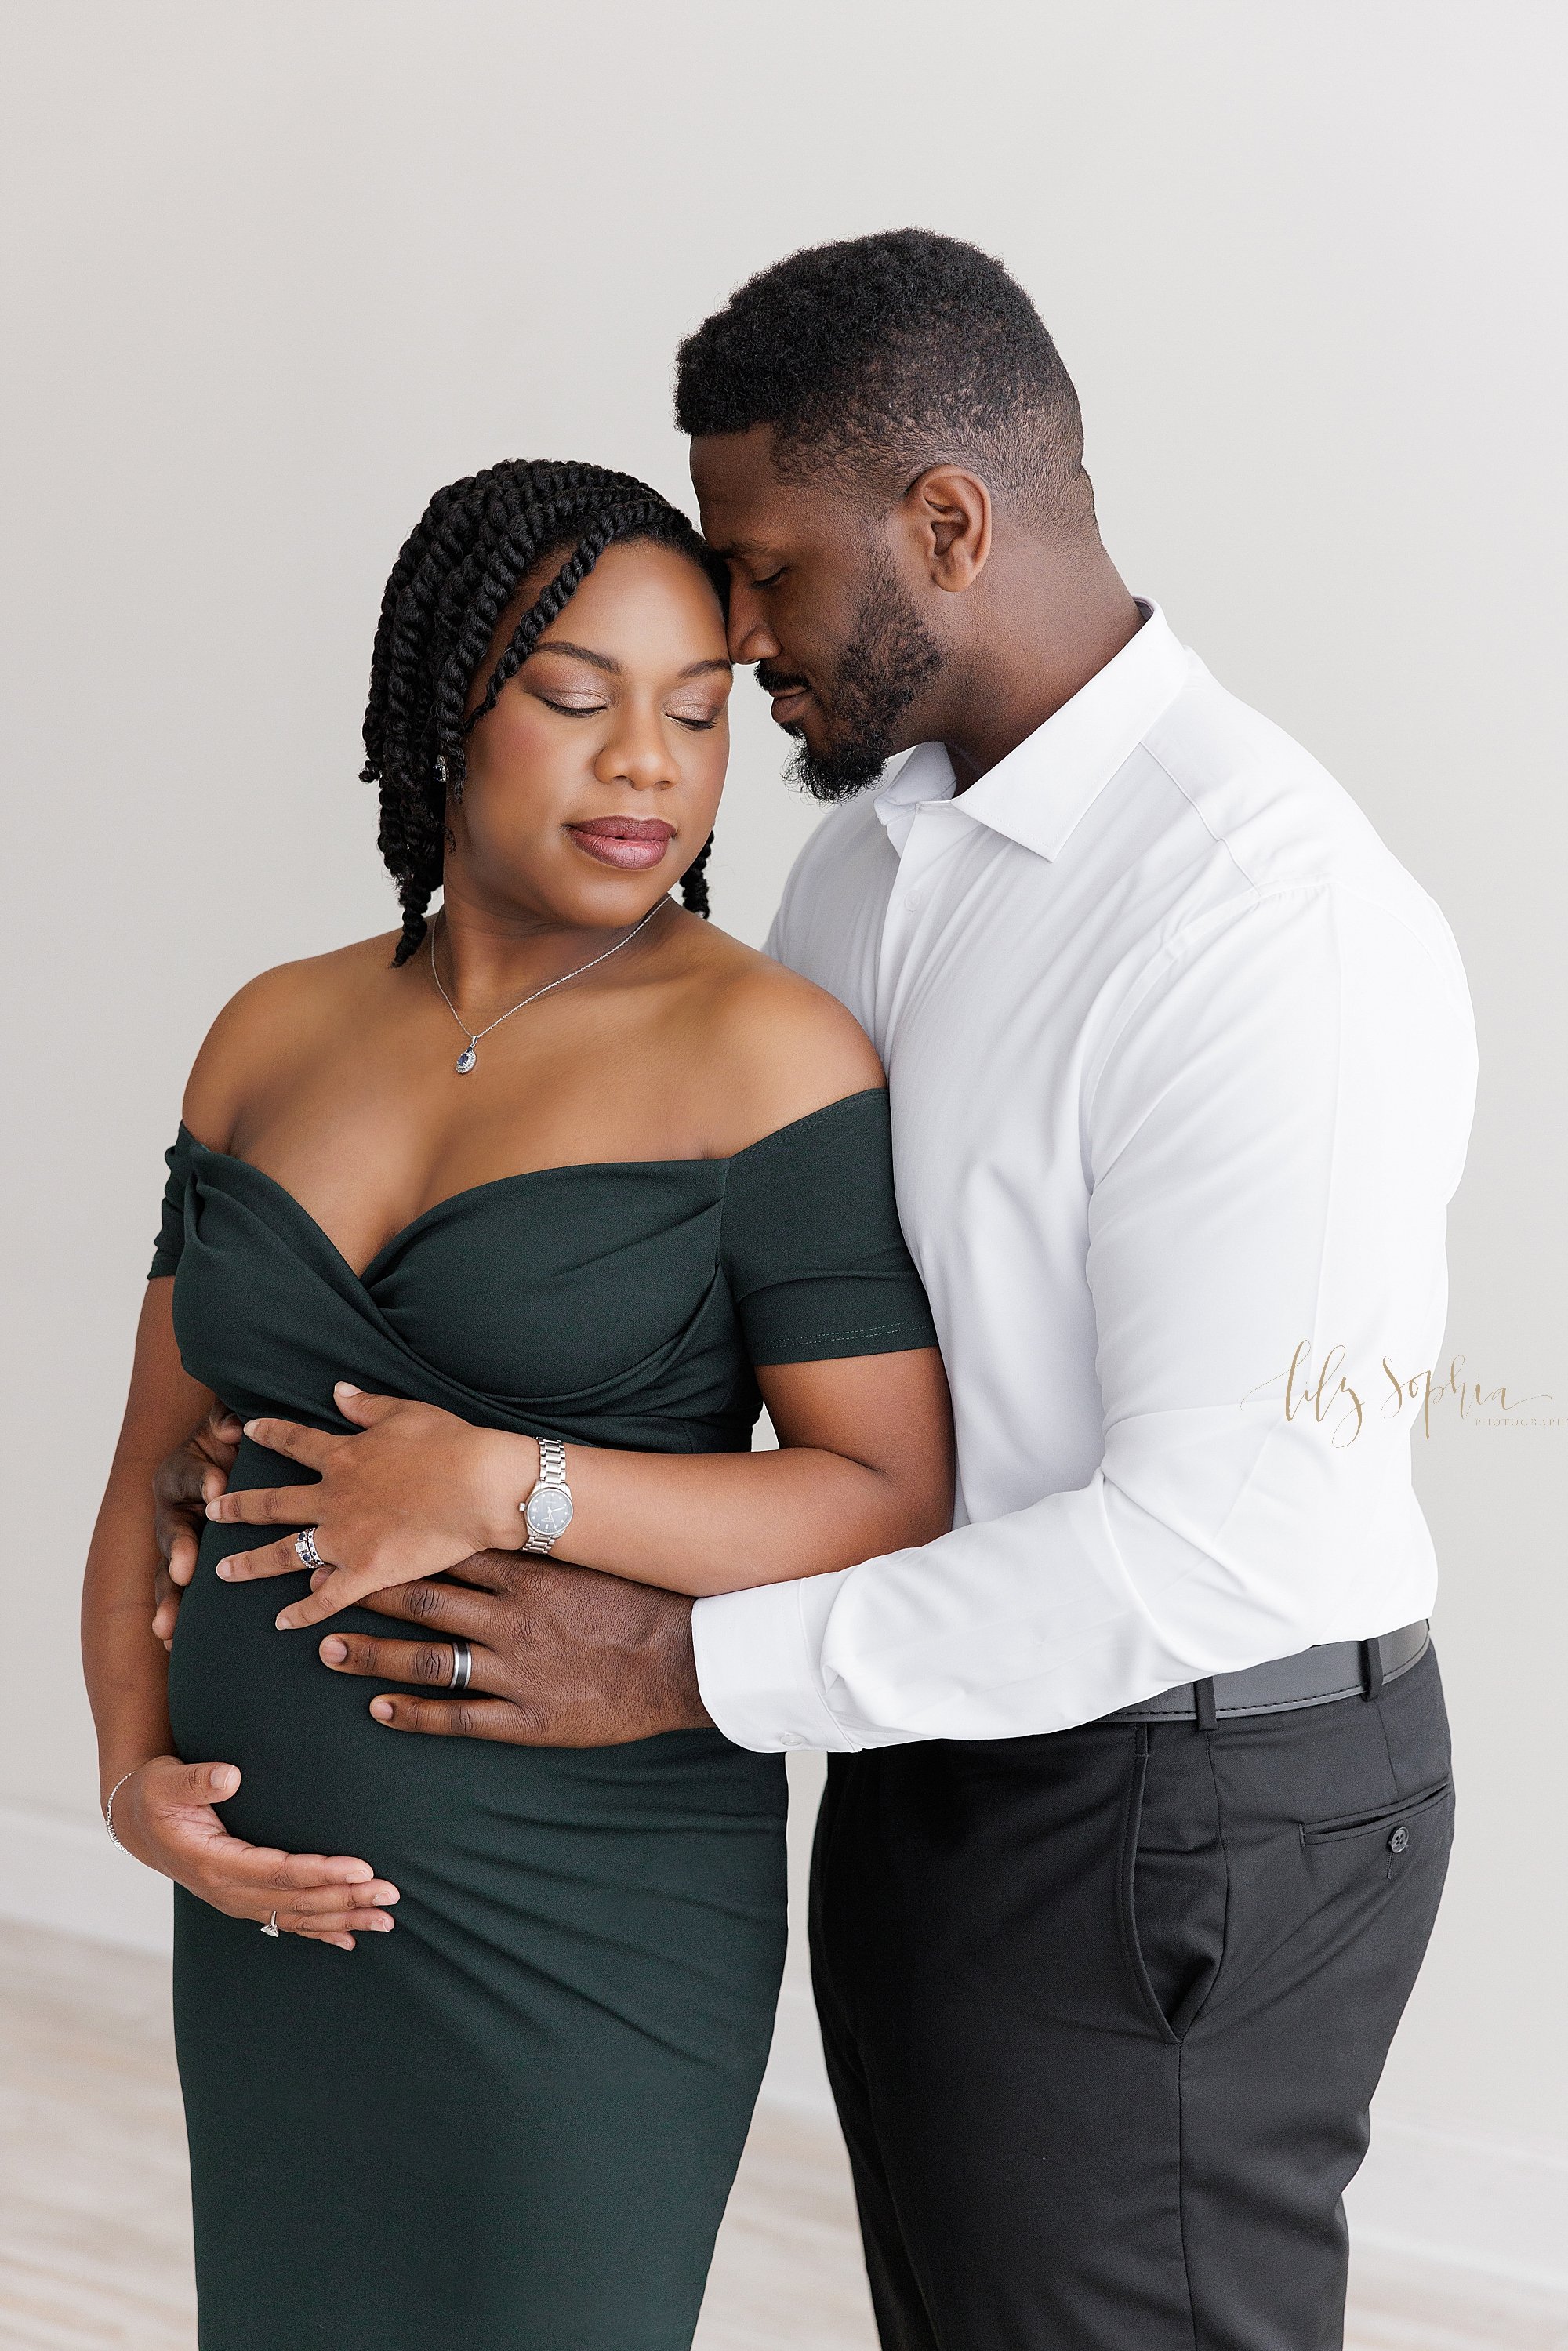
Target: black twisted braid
{"type": "Point", "coordinates": [694, 882]}
{"type": "Point", "coordinates": [456, 573]}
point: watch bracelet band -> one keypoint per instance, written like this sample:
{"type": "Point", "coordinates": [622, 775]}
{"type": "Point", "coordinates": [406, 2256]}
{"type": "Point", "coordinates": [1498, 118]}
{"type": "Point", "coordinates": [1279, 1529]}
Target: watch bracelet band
{"type": "Point", "coordinates": [552, 1472]}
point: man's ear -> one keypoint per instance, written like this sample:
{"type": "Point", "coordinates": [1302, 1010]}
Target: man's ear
{"type": "Point", "coordinates": [949, 511]}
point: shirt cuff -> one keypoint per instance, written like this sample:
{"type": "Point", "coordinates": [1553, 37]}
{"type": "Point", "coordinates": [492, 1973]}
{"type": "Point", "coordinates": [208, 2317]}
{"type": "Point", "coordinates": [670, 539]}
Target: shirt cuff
{"type": "Point", "coordinates": [758, 1665]}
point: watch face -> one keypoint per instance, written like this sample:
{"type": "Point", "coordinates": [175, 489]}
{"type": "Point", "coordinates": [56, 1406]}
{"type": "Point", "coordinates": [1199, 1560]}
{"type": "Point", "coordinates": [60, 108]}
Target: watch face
{"type": "Point", "coordinates": [548, 1511]}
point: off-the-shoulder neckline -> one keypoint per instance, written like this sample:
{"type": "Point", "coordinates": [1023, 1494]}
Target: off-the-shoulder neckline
{"type": "Point", "coordinates": [522, 1175]}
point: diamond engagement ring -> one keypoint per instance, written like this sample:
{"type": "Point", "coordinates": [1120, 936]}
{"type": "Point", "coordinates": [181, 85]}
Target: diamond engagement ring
{"type": "Point", "coordinates": [305, 1544]}
{"type": "Point", "coordinates": [272, 1926]}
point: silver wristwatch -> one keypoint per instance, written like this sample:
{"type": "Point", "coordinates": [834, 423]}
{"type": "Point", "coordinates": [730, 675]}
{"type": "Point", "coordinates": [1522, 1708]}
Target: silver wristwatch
{"type": "Point", "coordinates": [546, 1513]}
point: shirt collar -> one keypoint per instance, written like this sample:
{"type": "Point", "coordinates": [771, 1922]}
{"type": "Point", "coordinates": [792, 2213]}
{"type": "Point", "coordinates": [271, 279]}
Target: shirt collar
{"type": "Point", "coordinates": [1038, 793]}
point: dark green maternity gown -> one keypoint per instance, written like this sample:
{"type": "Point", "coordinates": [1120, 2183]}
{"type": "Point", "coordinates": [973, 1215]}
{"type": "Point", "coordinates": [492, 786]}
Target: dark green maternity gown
{"type": "Point", "coordinates": [511, 2124]}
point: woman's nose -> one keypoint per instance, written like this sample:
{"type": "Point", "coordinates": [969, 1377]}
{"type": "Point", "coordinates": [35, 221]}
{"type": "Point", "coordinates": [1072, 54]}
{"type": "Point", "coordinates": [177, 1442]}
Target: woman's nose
{"type": "Point", "coordinates": [638, 753]}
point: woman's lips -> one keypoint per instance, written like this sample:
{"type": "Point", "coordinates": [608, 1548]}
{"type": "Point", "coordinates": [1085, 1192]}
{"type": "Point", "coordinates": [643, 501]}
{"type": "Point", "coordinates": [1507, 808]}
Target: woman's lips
{"type": "Point", "coordinates": [631, 842]}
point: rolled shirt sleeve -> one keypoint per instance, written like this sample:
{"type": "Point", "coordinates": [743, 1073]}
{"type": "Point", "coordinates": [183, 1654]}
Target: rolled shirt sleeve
{"type": "Point", "coordinates": [1273, 1123]}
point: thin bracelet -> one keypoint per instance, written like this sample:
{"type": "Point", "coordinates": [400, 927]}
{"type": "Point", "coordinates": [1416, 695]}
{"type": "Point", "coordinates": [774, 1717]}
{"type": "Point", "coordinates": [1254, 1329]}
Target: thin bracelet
{"type": "Point", "coordinates": [108, 1806]}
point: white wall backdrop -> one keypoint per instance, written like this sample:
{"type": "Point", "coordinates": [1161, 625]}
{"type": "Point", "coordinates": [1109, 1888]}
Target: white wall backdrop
{"type": "Point", "coordinates": [273, 274]}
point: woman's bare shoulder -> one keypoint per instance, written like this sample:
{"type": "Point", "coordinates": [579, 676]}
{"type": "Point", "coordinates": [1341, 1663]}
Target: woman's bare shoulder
{"type": "Point", "coordinates": [778, 1046]}
{"type": "Point", "coordinates": [270, 1023]}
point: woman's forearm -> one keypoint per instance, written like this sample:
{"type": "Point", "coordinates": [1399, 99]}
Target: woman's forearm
{"type": "Point", "coordinates": [713, 1522]}
{"type": "Point", "coordinates": [124, 1662]}
{"type": "Point", "coordinates": [719, 1521]}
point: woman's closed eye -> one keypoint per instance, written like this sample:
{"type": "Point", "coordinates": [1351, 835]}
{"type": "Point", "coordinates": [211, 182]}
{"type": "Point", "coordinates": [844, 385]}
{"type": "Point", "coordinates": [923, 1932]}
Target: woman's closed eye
{"type": "Point", "coordinates": [584, 708]}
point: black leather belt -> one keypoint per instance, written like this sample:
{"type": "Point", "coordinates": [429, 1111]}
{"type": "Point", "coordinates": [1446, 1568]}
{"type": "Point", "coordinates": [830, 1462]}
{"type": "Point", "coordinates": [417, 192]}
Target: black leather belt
{"type": "Point", "coordinates": [1335, 1669]}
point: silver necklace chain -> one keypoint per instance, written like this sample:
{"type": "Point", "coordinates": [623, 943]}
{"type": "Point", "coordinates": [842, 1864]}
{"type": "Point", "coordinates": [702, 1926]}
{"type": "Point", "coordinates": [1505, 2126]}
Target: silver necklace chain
{"type": "Point", "coordinates": [469, 1059]}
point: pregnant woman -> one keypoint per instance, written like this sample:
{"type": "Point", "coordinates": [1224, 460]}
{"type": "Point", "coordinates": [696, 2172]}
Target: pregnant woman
{"type": "Point", "coordinates": [470, 2033]}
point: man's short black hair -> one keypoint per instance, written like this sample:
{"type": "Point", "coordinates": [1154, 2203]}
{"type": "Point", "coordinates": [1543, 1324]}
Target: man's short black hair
{"type": "Point", "coordinates": [878, 357]}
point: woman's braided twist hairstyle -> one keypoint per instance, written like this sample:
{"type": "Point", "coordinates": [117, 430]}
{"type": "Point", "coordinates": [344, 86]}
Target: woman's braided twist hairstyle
{"type": "Point", "coordinates": [458, 571]}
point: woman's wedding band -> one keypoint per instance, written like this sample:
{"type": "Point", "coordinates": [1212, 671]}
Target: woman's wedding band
{"type": "Point", "coordinates": [461, 1664]}
{"type": "Point", "coordinates": [305, 1544]}
{"type": "Point", "coordinates": [272, 1926]}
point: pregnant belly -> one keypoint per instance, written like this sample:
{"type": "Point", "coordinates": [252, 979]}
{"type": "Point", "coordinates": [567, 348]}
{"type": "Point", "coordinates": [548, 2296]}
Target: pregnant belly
{"type": "Point", "coordinates": [463, 1826]}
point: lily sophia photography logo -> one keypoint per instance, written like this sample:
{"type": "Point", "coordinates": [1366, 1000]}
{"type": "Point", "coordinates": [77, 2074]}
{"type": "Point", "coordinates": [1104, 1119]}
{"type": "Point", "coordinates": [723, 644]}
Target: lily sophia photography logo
{"type": "Point", "coordinates": [1325, 1392]}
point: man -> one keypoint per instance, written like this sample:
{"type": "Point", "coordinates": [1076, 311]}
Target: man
{"type": "Point", "coordinates": [1139, 1803]}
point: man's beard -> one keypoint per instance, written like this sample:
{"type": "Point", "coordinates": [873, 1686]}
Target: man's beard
{"type": "Point", "coordinates": [891, 657]}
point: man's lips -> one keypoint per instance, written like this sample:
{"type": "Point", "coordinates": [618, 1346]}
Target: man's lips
{"type": "Point", "coordinates": [788, 693]}
{"type": "Point", "coordinates": [631, 842]}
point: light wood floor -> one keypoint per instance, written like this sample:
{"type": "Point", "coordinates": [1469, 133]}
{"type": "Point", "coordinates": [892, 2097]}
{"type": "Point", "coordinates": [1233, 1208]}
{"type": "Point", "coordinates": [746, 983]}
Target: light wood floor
{"type": "Point", "coordinates": [94, 2243]}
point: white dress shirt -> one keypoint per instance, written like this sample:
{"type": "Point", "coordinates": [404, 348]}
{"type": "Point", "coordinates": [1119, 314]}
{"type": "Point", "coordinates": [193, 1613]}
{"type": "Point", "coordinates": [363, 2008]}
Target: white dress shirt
{"type": "Point", "coordinates": [1181, 1064]}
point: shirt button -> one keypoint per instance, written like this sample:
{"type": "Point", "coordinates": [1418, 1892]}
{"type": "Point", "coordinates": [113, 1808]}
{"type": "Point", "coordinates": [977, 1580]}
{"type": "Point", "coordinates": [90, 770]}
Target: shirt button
{"type": "Point", "coordinates": [1399, 1840]}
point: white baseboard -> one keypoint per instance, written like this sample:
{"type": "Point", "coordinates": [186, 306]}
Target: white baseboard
{"type": "Point", "coordinates": [1488, 2205]}
{"type": "Point", "coordinates": [1465, 2199]}
{"type": "Point", "coordinates": [62, 1873]}
{"type": "Point", "coordinates": [1427, 2194]}
{"type": "Point", "coordinates": [796, 2078]}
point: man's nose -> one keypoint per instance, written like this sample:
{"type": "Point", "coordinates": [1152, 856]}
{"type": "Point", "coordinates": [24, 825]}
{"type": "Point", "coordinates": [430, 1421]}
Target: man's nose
{"type": "Point", "coordinates": [750, 638]}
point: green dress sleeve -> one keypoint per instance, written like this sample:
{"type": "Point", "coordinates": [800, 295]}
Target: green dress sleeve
{"type": "Point", "coordinates": [810, 1244]}
{"type": "Point", "coordinates": [172, 1231]}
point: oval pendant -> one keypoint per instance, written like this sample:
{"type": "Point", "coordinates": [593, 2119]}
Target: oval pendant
{"type": "Point", "coordinates": [465, 1060]}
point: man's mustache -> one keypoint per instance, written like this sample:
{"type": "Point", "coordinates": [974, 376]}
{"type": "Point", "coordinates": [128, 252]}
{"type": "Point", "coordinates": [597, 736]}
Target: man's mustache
{"type": "Point", "coordinates": [777, 680]}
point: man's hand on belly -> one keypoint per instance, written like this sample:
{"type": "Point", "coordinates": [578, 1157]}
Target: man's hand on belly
{"type": "Point", "coordinates": [561, 1657]}
{"type": "Point", "coordinates": [183, 1483]}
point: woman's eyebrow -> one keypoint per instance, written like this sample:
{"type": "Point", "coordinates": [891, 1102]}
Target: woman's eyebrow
{"type": "Point", "coordinates": [581, 652]}
{"type": "Point", "coordinates": [697, 669]}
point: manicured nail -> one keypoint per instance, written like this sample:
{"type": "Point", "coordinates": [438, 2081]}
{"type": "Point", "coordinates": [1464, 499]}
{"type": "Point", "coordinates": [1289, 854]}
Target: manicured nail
{"type": "Point", "coordinates": [381, 1707]}
{"type": "Point", "coordinates": [226, 1569]}
{"type": "Point", "coordinates": [333, 1651]}
{"type": "Point", "coordinates": [381, 1925]}
{"type": "Point", "coordinates": [250, 1428]}
{"type": "Point", "coordinates": [283, 1622]}
{"type": "Point", "coordinates": [345, 1387]}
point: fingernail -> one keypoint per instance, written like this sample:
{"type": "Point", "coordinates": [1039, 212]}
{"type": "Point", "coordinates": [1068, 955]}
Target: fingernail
{"type": "Point", "coordinates": [226, 1569]}
{"type": "Point", "coordinates": [250, 1428]}
{"type": "Point", "coordinates": [381, 1926]}
{"type": "Point", "coordinates": [225, 1780]}
{"type": "Point", "coordinates": [381, 1707]}
{"type": "Point", "coordinates": [334, 1651]}
{"type": "Point", "coordinates": [345, 1387]}
{"type": "Point", "coordinates": [283, 1622]}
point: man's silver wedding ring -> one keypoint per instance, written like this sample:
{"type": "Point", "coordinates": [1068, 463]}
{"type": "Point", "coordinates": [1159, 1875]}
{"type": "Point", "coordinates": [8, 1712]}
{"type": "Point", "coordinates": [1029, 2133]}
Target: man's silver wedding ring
{"type": "Point", "coordinates": [461, 1664]}
{"type": "Point", "coordinates": [305, 1544]}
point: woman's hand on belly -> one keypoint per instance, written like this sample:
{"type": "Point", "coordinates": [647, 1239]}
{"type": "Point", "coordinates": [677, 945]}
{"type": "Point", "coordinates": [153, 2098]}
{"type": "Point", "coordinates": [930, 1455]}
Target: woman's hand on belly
{"type": "Point", "coordinates": [163, 1814]}
{"type": "Point", "coordinates": [410, 1493]}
